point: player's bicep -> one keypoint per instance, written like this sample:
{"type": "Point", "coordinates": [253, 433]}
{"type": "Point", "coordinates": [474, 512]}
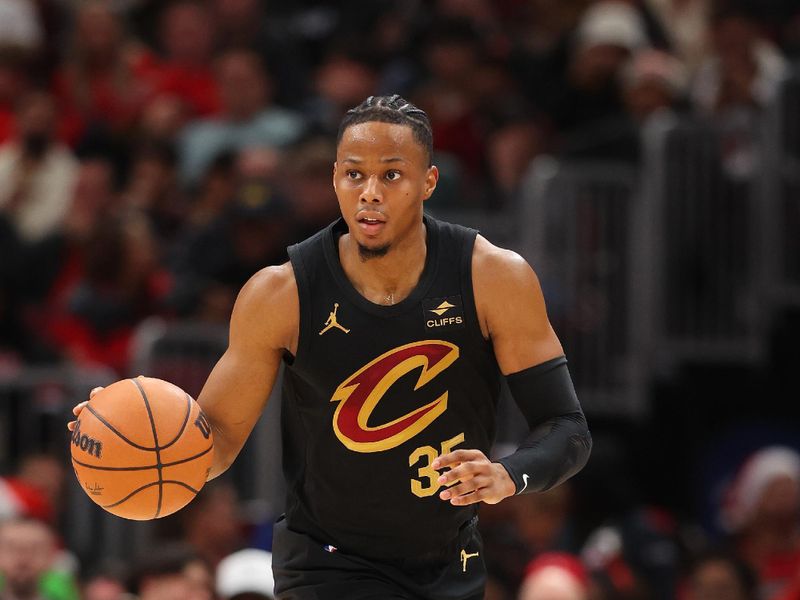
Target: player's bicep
{"type": "Point", "coordinates": [511, 304]}
{"type": "Point", "coordinates": [241, 382]}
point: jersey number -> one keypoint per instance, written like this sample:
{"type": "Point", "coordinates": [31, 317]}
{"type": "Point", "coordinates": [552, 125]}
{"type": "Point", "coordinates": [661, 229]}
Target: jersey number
{"type": "Point", "coordinates": [426, 472]}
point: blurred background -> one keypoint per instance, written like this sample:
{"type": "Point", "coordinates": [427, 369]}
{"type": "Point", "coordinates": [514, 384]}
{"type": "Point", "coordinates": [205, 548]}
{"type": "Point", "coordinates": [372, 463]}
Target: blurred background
{"type": "Point", "coordinates": [643, 155]}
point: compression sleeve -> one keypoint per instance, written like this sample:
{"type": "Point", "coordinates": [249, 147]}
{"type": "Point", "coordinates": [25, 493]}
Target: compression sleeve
{"type": "Point", "coordinates": [559, 442]}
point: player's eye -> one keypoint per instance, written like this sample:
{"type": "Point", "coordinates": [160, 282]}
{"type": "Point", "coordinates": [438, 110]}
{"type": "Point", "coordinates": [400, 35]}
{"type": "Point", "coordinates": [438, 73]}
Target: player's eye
{"type": "Point", "coordinates": [351, 174]}
{"type": "Point", "coordinates": [393, 175]}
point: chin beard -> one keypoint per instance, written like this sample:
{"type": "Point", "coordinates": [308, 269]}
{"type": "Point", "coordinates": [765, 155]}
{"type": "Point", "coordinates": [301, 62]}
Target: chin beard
{"type": "Point", "coordinates": [367, 253]}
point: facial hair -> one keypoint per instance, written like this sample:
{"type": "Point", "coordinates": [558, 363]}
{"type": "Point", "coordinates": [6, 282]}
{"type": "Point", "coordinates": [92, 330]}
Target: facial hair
{"type": "Point", "coordinates": [366, 254]}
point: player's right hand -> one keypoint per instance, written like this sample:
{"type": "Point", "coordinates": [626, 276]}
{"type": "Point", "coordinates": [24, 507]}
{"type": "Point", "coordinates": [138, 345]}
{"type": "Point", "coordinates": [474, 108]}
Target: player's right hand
{"type": "Point", "coordinates": [79, 407]}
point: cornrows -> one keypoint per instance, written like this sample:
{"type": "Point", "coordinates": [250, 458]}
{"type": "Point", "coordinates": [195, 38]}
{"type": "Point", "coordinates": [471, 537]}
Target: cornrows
{"type": "Point", "coordinates": [391, 109]}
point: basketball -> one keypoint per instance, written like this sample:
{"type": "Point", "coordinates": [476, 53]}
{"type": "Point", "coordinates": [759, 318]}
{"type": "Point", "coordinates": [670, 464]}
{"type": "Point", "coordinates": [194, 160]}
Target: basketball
{"type": "Point", "coordinates": [142, 448]}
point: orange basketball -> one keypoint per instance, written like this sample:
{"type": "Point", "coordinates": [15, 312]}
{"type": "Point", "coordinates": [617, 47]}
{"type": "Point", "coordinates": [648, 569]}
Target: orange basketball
{"type": "Point", "coordinates": [142, 448]}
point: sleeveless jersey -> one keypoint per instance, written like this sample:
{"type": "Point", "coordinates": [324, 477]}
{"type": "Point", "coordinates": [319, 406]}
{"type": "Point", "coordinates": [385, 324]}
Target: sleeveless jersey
{"type": "Point", "coordinates": [375, 393]}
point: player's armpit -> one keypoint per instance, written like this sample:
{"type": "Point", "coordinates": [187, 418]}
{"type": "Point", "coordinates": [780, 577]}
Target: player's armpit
{"type": "Point", "coordinates": [263, 327]}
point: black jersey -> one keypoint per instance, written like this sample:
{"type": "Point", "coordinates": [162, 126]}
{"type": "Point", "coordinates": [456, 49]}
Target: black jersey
{"type": "Point", "coordinates": [376, 393]}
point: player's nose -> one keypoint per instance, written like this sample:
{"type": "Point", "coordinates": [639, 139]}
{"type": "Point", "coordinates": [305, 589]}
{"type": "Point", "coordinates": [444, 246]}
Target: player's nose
{"type": "Point", "coordinates": [372, 191]}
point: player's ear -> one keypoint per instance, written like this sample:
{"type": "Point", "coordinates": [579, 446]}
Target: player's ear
{"type": "Point", "coordinates": [431, 179]}
{"type": "Point", "coordinates": [334, 175]}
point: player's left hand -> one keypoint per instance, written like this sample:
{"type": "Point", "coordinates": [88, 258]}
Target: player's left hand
{"type": "Point", "coordinates": [477, 478]}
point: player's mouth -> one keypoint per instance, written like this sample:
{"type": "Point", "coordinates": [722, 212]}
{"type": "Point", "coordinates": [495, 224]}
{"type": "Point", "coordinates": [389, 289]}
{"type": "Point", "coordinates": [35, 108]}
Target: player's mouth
{"type": "Point", "coordinates": [371, 223]}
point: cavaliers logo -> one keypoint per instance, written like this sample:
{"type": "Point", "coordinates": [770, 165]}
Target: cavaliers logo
{"type": "Point", "coordinates": [359, 394]}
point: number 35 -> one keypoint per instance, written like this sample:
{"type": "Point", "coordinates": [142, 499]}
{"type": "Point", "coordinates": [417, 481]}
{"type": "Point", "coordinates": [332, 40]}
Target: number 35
{"type": "Point", "coordinates": [426, 471]}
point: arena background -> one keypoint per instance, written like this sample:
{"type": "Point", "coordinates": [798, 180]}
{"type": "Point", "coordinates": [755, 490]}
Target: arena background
{"type": "Point", "coordinates": [641, 154]}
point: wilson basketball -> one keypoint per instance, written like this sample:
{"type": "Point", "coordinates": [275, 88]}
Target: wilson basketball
{"type": "Point", "coordinates": [142, 448]}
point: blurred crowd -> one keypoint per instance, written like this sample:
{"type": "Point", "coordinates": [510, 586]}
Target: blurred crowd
{"type": "Point", "coordinates": [549, 546]}
{"type": "Point", "coordinates": [154, 154]}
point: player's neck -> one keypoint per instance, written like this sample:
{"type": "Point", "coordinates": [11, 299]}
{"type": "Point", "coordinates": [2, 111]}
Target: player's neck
{"type": "Point", "coordinates": [387, 279]}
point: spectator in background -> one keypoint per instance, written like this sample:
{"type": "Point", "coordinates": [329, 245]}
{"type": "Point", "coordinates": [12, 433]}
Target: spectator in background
{"type": "Point", "coordinates": [246, 575]}
{"type": "Point", "coordinates": [37, 173]}
{"type": "Point", "coordinates": [652, 81]}
{"type": "Point", "coordinates": [153, 191]}
{"type": "Point", "coordinates": [555, 576]}
{"type": "Point", "coordinates": [62, 254]}
{"type": "Point", "coordinates": [609, 32]}
{"type": "Point", "coordinates": [211, 524]}
{"type": "Point", "coordinates": [510, 149]}
{"type": "Point", "coordinates": [162, 120]}
{"type": "Point", "coordinates": [123, 284]}
{"type": "Point", "coordinates": [632, 558]}
{"type": "Point", "coordinates": [106, 79]}
{"type": "Point", "coordinates": [248, 118]}
{"type": "Point", "coordinates": [172, 572]}
{"type": "Point", "coordinates": [762, 513]}
{"type": "Point", "coordinates": [743, 68]}
{"type": "Point", "coordinates": [307, 168]}
{"type": "Point", "coordinates": [734, 83]}
{"type": "Point", "coordinates": [527, 526]}
{"type": "Point", "coordinates": [44, 272]}
{"type": "Point", "coordinates": [392, 40]}
{"type": "Point", "coordinates": [484, 17]}
{"type": "Point", "coordinates": [106, 581]}
{"type": "Point", "coordinates": [452, 52]}
{"type": "Point", "coordinates": [215, 260]}
{"type": "Point", "coordinates": [34, 490]}
{"type": "Point", "coordinates": [341, 82]}
{"type": "Point", "coordinates": [119, 283]}
{"type": "Point", "coordinates": [187, 39]}
{"type": "Point", "coordinates": [717, 575]}
{"type": "Point", "coordinates": [27, 555]}
{"type": "Point", "coordinates": [216, 191]}
{"type": "Point", "coordinates": [250, 24]}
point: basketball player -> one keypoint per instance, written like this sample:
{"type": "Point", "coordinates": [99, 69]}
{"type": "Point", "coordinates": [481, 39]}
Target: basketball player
{"type": "Point", "coordinates": [395, 330]}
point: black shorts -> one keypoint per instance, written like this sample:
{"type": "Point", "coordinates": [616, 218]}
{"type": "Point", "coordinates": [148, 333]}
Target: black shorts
{"type": "Point", "coordinates": [308, 569]}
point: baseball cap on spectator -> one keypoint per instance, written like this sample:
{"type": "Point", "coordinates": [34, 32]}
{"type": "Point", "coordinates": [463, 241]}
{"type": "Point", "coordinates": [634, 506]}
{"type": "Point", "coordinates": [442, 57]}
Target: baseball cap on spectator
{"type": "Point", "coordinates": [612, 23]}
{"type": "Point", "coordinates": [246, 572]}
{"type": "Point", "coordinates": [753, 478]}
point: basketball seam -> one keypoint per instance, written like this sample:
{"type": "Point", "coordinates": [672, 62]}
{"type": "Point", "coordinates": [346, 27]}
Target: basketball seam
{"type": "Point", "coordinates": [159, 466]}
{"type": "Point", "coordinates": [114, 429]}
{"type": "Point", "coordinates": [147, 485]}
{"type": "Point", "coordinates": [185, 422]}
{"type": "Point", "coordinates": [144, 468]}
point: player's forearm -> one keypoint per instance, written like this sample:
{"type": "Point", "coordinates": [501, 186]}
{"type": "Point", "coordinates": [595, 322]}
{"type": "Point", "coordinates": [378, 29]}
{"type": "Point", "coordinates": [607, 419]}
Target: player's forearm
{"type": "Point", "coordinates": [226, 449]}
{"type": "Point", "coordinates": [552, 453]}
{"type": "Point", "coordinates": [559, 443]}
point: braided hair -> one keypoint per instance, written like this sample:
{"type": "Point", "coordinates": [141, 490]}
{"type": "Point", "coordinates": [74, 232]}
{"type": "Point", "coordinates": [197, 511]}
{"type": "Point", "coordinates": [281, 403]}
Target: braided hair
{"type": "Point", "coordinates": [391, 109]}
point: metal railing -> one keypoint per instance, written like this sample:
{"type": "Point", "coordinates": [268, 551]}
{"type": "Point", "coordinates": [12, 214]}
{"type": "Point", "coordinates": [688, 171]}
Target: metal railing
{"type": "Point", "coordinates": [702, 247]}
{"type": "Point", "coordinates": [778, 194]}
{"type": "Point", "coordinates": [579, 235]}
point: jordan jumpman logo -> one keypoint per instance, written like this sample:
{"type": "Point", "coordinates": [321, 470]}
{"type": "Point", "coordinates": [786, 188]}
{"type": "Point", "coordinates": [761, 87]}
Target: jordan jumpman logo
{"type": "Point", "coordinates": [332, 322]}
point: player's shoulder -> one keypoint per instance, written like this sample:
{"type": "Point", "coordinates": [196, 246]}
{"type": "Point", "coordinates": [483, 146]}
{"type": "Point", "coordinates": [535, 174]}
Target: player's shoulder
{"type": "Point", "coordinates": [493, 263]}
{"type": "Point", "coordinates": [271, 287]}
{"type": "Point", "coordinates": [268, 306]}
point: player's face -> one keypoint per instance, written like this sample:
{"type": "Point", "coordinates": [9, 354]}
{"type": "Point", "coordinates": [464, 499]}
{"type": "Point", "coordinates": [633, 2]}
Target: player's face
{"type": "Point", "coordinates": [381, 177]}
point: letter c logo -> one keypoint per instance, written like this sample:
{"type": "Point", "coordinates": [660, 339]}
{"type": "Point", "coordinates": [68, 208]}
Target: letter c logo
{"type": "Point", "coordinates": [359, 395]}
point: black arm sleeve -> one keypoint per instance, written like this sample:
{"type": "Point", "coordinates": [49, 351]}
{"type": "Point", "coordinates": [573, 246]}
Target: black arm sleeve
{"type": "Point", "coordinates": [559, 442]}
